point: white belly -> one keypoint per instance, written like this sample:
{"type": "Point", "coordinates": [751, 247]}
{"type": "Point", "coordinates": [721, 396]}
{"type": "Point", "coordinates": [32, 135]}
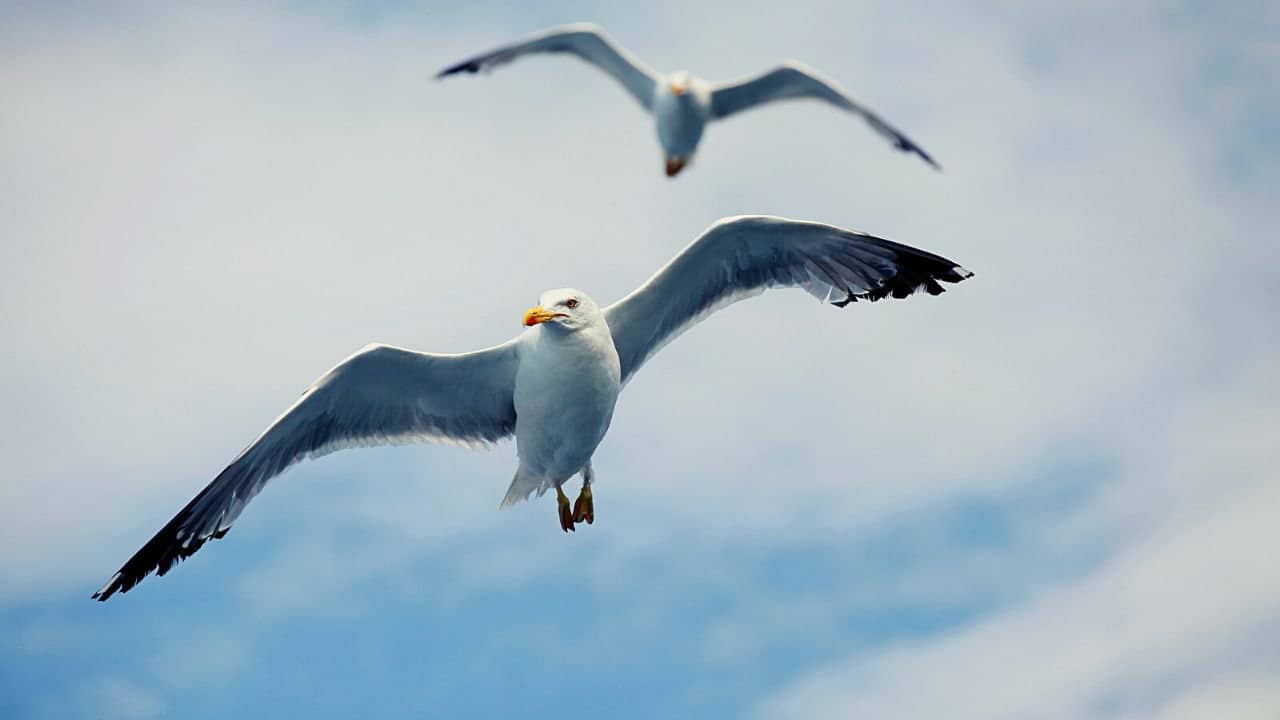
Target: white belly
{"type": "Point", "coordinates": [680, 121]}
{"type": "Point", "coordinates": [566, 388]}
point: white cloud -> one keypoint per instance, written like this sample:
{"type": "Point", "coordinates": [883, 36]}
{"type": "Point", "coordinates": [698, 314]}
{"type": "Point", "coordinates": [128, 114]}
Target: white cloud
{"type": "Point", "coordinates": [210, 207]}
{"type": "Point", "coordinates": [115, 698]}
{"type": "Point", "coordinates": [1194, 599]}
{"type": "Point", "coordinates": [1181, 615]}
{"type": "Point", "coordinates": [1240, 693]}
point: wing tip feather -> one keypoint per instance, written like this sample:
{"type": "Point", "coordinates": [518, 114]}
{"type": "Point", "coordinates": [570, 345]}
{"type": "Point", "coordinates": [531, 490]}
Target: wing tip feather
{"type": "Point", "coordinates": [469, 66]}
{"type": "Point", "coordinates": [168, 547]}
{"type": "Point", "coordinates": [899, 288]}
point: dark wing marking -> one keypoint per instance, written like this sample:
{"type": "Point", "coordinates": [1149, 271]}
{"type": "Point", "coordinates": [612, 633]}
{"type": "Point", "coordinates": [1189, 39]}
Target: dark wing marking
{"type": "Point", "coordinates": [793, 80]}
{"type": "Point", "coordinates": [381, 395]}
{"type": "Point", "coordinates": [584, 40]}
{"type": "Point", "coordinates": [740, 257]}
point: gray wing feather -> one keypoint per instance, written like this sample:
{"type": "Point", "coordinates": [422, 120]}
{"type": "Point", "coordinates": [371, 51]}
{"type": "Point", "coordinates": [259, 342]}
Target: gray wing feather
{"type": "Point", "coordinates": [584, 40]}
{"type": "Point", "coordinates": [794, 80]}
{"type": "Point", "coordinates": [741, 257]}
{"type": "Point", "coordinates": [382, 395]}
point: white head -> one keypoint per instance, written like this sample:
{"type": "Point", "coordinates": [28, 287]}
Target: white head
{"type": "Point", "coordinates": [679, 83]}
{"type": "Point", "coordinates": [565, 310]}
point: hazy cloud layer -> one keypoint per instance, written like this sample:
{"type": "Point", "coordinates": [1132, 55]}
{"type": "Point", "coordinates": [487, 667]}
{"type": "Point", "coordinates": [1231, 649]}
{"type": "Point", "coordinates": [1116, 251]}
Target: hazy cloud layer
{"type": "Point", "coordinates": [1058, 472]}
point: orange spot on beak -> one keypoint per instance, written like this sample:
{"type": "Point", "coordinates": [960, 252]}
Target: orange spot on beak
{"type": "Point", "coordinates": [537, 315]}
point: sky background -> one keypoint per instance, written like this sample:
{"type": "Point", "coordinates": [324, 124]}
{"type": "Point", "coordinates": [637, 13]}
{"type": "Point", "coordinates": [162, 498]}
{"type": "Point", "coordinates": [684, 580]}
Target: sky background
{"type": "Point", "coordinates": [1048, 493]}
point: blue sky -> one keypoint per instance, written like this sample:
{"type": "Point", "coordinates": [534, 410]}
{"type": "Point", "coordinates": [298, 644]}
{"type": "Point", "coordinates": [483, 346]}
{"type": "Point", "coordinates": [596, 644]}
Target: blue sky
{"type": "Point", "coordinates": [1045, 494]}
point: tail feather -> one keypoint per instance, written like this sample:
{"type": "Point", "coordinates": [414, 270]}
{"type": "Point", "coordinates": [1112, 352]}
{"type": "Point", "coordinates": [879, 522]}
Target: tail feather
{"type": "Point", "coordinates": [521, 488]}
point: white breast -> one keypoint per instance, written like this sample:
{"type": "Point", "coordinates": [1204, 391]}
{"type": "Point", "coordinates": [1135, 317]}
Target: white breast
{"type": "Point", "coordinates": [566, 388]}
{"type": "Point", "coordinates": [681, 119]}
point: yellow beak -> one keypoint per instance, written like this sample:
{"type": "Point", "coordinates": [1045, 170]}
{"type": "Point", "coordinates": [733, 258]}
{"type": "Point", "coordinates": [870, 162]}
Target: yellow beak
{"type": "Point", "coordinates": [678, 90]}
{"type": "Point", "coordinates": [536, 315]}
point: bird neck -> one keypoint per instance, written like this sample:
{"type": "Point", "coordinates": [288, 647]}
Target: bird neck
{"type": "Point", "coordinates": [587, 338]}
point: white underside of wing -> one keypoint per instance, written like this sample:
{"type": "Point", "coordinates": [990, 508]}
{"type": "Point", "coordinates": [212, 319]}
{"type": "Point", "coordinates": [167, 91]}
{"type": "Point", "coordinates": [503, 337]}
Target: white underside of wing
{"type": "Point", "coordinates": [741, 257]}
{"type": "Point", "coordinates": [677, 331]}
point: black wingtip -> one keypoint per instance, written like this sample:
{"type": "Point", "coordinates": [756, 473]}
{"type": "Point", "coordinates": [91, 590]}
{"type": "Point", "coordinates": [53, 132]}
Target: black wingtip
{"type": "Point", "coordinates": [906, 145]}
{"type": "Point", "coordinates": [160, 555]}
{"type": "Point", "coordinates": [162, 552]}
{"type": "Point", "coordinates": [926, 157]}
{"type": "Point", "coordinates": [467, 66]}
{"type": "Point", "coordinates": [910, 280]}
{"type": "Point", "coordinates": [115, 584]}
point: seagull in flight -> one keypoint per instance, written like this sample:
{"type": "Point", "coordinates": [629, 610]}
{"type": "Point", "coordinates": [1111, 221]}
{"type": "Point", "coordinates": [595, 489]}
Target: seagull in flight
{"type": "Point", "coordinates": [683, 104]}
{"type": "Point", "coordinates": [553, 386]}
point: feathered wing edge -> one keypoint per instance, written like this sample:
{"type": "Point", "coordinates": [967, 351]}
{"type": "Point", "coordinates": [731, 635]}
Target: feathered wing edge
{"type": "Point", "coordinates": [175, 542]}
{"type": "Point", "coordinates": [164, 550]}
{"type": "Point", "coordinates": [585, 40]}
{"type": "Point", "coordinates": [795, 80]}
{"type": "Point", "coordinates": [328, 418]}
{"type": "Point", "coordinates": [721, 268]}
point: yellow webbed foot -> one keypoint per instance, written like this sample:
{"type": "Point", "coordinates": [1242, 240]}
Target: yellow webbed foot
{"type": "Point", "coordinates": [583, 508]}
{"type": "Point", "coordinates": [566, 516]}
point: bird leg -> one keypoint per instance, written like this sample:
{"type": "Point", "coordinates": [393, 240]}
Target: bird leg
{"type": "Point", "coordinates": [566, 517]}
{"type": "Point", "coordinates": [583, 508]}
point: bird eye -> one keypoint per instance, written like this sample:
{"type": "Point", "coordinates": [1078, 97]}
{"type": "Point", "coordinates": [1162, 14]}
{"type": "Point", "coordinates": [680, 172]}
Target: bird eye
{"type": "Point", "coordinates": [571, 303]}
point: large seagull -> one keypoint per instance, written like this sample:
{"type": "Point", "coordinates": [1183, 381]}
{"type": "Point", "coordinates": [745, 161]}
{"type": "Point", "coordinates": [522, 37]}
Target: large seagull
{"type": "Point", "coordinates": [683, 104]}
{"type": "Point", "coordinates": [553, 386]}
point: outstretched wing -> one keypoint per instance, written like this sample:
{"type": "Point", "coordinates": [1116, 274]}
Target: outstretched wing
{"type": "Point", "coordinates": [793, 80]}
{"type": "Point", "coordinates": [382, 395]}
{"type": "Point", "coordinates": [585, 40]}
{"type": "Point", "coordinates": [741, 257]}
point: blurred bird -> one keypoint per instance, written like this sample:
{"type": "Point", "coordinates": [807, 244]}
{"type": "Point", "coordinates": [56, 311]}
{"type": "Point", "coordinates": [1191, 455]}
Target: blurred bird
{"type": "Point", "coordinates": [553, 386]}
{"type": "Point", "coordinates": [683, 104]}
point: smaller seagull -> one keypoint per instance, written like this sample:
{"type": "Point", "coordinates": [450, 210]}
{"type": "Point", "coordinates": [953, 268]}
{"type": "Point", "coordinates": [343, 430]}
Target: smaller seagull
{"type": "Point", "coordinates": [554, 386]}
{"type": "Point", "coordinates": [683, 104]}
